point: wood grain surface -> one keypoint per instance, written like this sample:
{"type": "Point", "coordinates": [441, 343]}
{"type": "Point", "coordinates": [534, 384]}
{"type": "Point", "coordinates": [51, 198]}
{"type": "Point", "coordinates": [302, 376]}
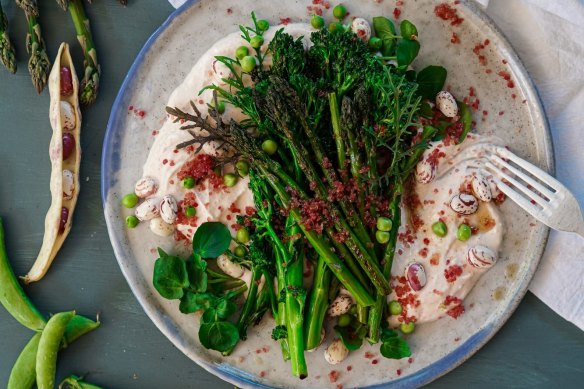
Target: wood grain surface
{"type": "Point", "coordinates": [535, 349]}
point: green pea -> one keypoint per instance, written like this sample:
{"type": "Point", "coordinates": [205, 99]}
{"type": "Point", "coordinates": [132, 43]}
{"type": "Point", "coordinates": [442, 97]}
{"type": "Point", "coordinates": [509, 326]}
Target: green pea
{"type": "Point", "coordinates": [382, 236]}
{"type": "Point", "coordinates": [340, 12]}
{"type": "Point", "coordinates": [229, 180]}
{"type": "Point", "coordinates": [242, 167]}
{"type": "Point", "coordinates": [440, 229]}
{"type": "Point", "coordinates": [242, 235]}
{"type": "Point", "coordinates": [248, 63]}
{"type": "Point", "coordinates": [317, 22]}
{"type": "Point", "coordinates": [407, 328]}
{"type": "Point", "coordinates": [464, 232]}
{"type": "Point", "coordinates": [241, 52]}
{"type": "Point", "coordinates": [257, 41]}
{"type": "Point", "coordinates": [384, 224]}
{"type": "Point", "coordinates": [263, 25]}
{"type": "Point", "coordinates": [374, 43]}
{"type": "Point", "coordinates": [132, 221]}
{"type": "Point", "coordinates": [344, 320]}
{"type": "Point", "coordinates": [49, 343]}
{"type": "Point", "coordinates": [220, 106]}
{"type": "Point", "coordinates": [408, 30]}
{"type": "Point", "coordinates": [395, 308]}
{"type": "Point", "coordinates": [130, 200]}
{"type": "Point", "coordinates": [189, 183]}
{"type": "Point", "coordinates": [335, 26]}
{"type": "Point", "coordinates": [240, 251]}
{"type": "Point", "coordinates": [190, 211]}
{"type": "Point", "coordinates": [270, 147]}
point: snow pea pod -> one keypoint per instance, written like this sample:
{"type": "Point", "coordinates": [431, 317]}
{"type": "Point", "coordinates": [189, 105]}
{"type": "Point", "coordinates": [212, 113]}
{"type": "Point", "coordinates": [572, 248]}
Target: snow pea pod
{"type": "Point", "coordinates": [46, 358]}
{"type": "Point", "coordinates": [13, 297]}
{"type": "Point", "coordinates": [23, 374]}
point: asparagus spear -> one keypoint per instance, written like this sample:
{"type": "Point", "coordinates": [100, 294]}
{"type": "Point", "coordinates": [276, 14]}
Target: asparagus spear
{"type": "Point", "coordinates": [29, 7]}
{"type": "Point", "coordinates": [317, 305]}
{"type": "Point", "coordinates": [7, 56]}
{"type": "Point", "coordinates": [39, 64]}
{"type": "Point", "coordinates": [90, 81]}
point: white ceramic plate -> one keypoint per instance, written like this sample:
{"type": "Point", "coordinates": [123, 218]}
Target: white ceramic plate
{"type": "Point", "coordinates": [512, 113]}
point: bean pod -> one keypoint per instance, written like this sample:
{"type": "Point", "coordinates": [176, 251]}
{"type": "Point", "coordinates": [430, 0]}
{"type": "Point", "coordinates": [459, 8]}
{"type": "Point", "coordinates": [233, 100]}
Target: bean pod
{"type": "Point", "coordinates": [49, 344]}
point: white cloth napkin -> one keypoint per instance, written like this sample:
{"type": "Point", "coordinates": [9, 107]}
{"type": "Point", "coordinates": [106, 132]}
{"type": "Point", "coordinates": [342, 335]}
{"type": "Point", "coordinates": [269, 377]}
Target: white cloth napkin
{"type": "Point", "coordinates": [549, 38]}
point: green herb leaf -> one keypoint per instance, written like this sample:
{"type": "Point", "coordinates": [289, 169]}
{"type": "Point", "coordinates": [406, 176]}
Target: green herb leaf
{"type": "Point", "coordinates": [197, 271]}
{"type": "Point", "coordinates": [352, 338]}
{"type": "Point", "coordinates": [211, 240]}
{"type": "Point", "coordinates": [170, 277]}
{"type": "Point", "coordinates": [431, 81]}
{"type": "Point", "coordinates": [192, 302]}
{"type": "Point", "coordinates": [408, 30]}
{"type": "Point", "coordinates": [406, 52]}
{"type": "Point", "coordinates": [465, 118]}
{"type": "Point", "coordinates": [225, 308]}
{"type": "Point", "coordinates": [387, 334]}
{"type": "Point", "coordinates": [220, 335]}
{"type": "Point", "coordinates": [395, 348]}
{"type": "Point", "coordinates": [385, 30]}
{"type": "Point", "coordinates": [280, 332]}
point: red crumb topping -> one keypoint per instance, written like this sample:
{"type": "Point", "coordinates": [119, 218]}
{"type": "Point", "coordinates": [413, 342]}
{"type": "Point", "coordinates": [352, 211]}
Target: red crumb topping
{"type": "Point", "coordinates": [396, 13]}
{"type": "Point", "coordinates": [375, 361]}
{"type": "Point", "coordinates": [445, 12]}
{"type": "Point", "coordinates": [398, 372]}
{"type": "Point", "coordinates": [369, 355]}
{"type": "Point", "coordinates": [285, 21]}
{"type": "Point", "coordinates": [454, 39]}
{"type": "Point", "coordinates": [333, 376]}
{"type": "Point", "coordinates": [349, 368]}
{"type": "Point", "coordinates": [452, 273]}
{"type": "Point", "coordinates": [198, 168]}
{"type": "Point", "coordinates": [435, 259]}
{"type": "Point", "coordinates": [456, 311]}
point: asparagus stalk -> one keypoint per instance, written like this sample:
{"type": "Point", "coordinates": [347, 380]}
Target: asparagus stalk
{"type": "Point", "coordinates": [7, 55]}
{"type": "Point", "coordinates": [317, 305]}
{"type": "Point", "coordinates": [39, 64]}
{"type": "Point", "coordinates": [29, 7]}
{"type": "Point", "coordinates": [90, 81]}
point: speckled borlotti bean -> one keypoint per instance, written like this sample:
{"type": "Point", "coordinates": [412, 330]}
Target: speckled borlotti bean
{"type": "Point", "coordinates": [168, 209]}
{"type": "Point", "coordinates": [425, 172]}
{"type": "Point", "coordinates": [361, 28]}
{"type": "Point", "coordinates": [481, 188]}
{"type": "Point", "coordinates": [148, 209]}
{"type": "Point", "coordinates": [336, 352]}
{"type": "Point", "coordinates": [160, 227]}
{"type": "Point", "coordinates": [416, 276]}
{"type": "Point", "coordinates": [481, 257]}
{"type": "Point", "coordinates": [464, 204]}
{"type": "Point", "coordinates": [229, 267]}
{"type": "Point", "coordinates": [145, 187]}
{"type": "Point", "coordinates": [68, 184]}
{"type": "Point", "coordinates": [340, 305]}
{"type": "Point", "coordinates": [446, 104]}
{"type": "Point", "coordinates": [68, 120]}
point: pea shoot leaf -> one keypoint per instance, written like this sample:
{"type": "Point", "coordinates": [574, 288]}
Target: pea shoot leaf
{"type": "Point", "coordinates": [431, 81]}
{"type": "Point", "coordinates": [225, 308]}
{"type": "Point", "coordinates": [395, 347]}
{"type": "Point", "coordinates": [219, 335]}
{"type": "Point", "coordinates": [465, 118]}
{"type": "Point", "coordinates": [385, 30]}
{"type": "Point", "coordinates": [352, 338]}
{"type": "Point", "coordinates": [192, 302]}
{"type": "Point", "coordinates": [211, 240]}
{"type": "Point", "coordinates": [408, 30]}
{"type": "Point", "coordinates": [170, 276]}
{"type": "Point", "coordinates": [406, 52]}
{"type": "Point", "coordinates": [197, 271]}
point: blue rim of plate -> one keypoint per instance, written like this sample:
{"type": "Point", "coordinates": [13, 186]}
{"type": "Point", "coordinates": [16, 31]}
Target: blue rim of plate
{"type": "Point", "coordinates": [243, 379]}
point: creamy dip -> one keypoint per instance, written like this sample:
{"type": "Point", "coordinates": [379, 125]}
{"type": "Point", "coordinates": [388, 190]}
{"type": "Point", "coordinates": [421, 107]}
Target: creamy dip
{"type": "Point", "coordinates": [449, 275]}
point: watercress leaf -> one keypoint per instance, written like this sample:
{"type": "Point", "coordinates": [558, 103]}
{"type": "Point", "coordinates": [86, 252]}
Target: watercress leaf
{"type": "Point", "coordinates": [408, 30]}
{"type": "Point", "coordinates": [197, 271]}
{"type": "Point", "coordinates": [410, 75]}
{"type": "Point", "coordinates": [225, 308]}
{"type": "Point", "coordinates": [170, 277]}
{"type": "Point", "coordinates": [465, 118]}
{"type": "Point", "coordinates": [352, 338]}
{"type": "Point", "coordinates": [387, 334]}
{"type": "Point", "coordinates": [395, 348]}
{"type": "Point", "coordinates": [385, 30]}
{"type": "Point", "coordinates": [192, 302]}
{"type": "Point", "coordinates": [431, 81]}
{"type": "Point", "coordinates": [220, 335]}
{"type": "Point", "coordinates": [211, 240]}
{"type": "Point", "coordinates": [406, 52]}
{"type": "Point", "coordinates": [209, 316]}
{"type": "Point", "coordinates": [162, 253]}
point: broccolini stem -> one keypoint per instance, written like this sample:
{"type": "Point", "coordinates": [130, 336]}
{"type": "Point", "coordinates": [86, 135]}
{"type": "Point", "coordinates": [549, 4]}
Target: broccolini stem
{"type": "Point", "coordinates": [317, 305]}
{"type": "Point", "coordinates": [295, 305]}
{"type": "Point", "coordinates": [376, 312]}
{"type": "Point", "coordinates": [7, 54]}
{"type": "Point", "coordinates": [250, 302]}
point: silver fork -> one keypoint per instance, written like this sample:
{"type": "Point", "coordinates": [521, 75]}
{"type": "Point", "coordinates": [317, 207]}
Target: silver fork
{"type": "Point", "coordinates": [534, 190]}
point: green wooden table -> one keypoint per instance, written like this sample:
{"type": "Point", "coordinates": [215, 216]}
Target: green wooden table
{"type": "Point", "coordinates": [536, 348]}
